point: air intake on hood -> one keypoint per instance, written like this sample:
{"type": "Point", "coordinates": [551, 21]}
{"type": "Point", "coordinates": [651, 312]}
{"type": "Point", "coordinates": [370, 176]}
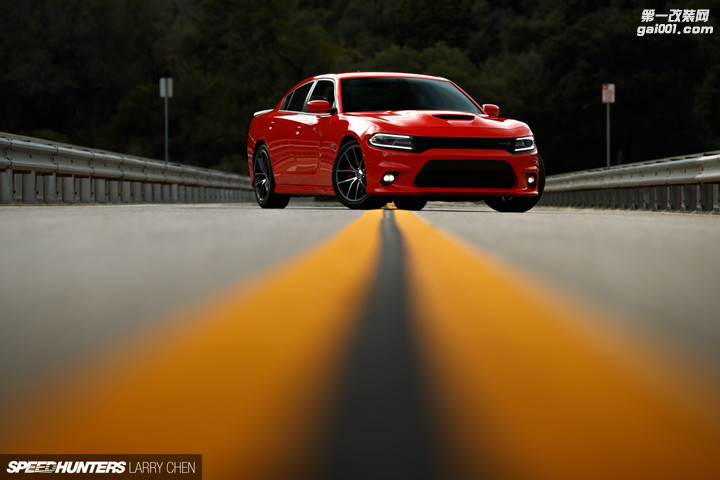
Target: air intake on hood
{"type": "Point", "coordinates": [450, 116]}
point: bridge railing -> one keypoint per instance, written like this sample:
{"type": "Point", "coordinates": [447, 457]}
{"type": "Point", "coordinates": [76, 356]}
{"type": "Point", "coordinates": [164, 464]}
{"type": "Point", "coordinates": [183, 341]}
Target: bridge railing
{"type": "Point", "coordinates": [36, 171]}
{"type": "Point", "coordinates": [689, 183]}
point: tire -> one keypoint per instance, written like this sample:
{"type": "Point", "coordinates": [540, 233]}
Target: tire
{"type": "Point", "coordinates": [349, 181]}
{"type": "Point", "coordinates": [519, 204]}
{"type": "Point", "coordinates": [410, 203]}
{"type": "Point", "coordinates": [264, 182]}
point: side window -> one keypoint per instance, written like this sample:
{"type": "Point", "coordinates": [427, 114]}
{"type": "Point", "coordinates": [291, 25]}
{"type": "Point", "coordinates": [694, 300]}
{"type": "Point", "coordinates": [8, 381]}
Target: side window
{"type": "Point", "coordinates": [324, 90]}
{"type": "Point", "coordinates": [297, 98]}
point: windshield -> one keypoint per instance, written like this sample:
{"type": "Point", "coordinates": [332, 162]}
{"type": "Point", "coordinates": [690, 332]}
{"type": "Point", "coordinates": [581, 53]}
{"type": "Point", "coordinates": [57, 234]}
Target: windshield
{"type": "Point", "coordinates": [402, 93]}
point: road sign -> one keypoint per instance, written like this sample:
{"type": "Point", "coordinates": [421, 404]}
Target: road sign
{"type": "Point", "coordinates": [608, 93]}
{"type": "Point", "coordinates": [166, 91]}
{"type": "Point", "coordinates": [608, 97]}
{"type": "Point", "coordinates": [166, 87]}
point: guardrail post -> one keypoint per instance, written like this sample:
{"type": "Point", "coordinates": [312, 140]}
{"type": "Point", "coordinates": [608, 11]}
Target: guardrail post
{"type": "Point", "coordinates": [50, 188]}
{"type": "Point", "coordinates": [696, 196]}
{"type": "Point", "coordinates": [85, 190]}
{"type": "Point", "coordinates": [157, 193]}
{"type": "Point", "coordinates": [645, 198]}
{"type": "Point", "coordinates": [137, 192]}
{"type": "Point", "coordinates": [113, 188]}
{"type": "Point", "coordinates": [125, 191]}
{"type": "Point", "coordinates": [68, 189]}
{"type": "Point", "coordinates": [652, 203]}
{"type": "Point", "coordinates": [29, 188]}
{"type": "Point", "coordinates": [685, 196]}
{"type": "Point", "coordinates": [165, 193]}
{"type": "Point", "coordinates": [100, 190]}
{"type": "Point", "coordinates": [664, 198]}
{"type": "Point", "coordinates": [674, 197]}
{"type": "Point", "coordinates": [147, 192]}
{"type": "Point", "coordinates": [715, 197]}
{"type": "Point", "coordinates": [6, 187]}
{"type": "Point", "coordinates": [688, 198]}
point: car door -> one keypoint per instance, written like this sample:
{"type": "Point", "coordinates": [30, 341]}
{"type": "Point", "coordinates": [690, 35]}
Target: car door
{"type": "Point", "coordinates": [309, 134]}
{"type": "Point", "coordinates": [283, 130]}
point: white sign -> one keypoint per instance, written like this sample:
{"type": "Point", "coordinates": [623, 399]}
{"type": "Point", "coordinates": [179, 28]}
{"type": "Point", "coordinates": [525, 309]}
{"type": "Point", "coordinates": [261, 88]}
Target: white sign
{"type": "Point", "coordinates": [166, 88]}
{"type": "Point", "coordinates": [608, 93]}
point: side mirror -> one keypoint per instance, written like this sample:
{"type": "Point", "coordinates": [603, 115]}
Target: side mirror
{"type": "Point", "coordinates": [318, 106]}
{"type": "Point", "coordinates": [491, 110]}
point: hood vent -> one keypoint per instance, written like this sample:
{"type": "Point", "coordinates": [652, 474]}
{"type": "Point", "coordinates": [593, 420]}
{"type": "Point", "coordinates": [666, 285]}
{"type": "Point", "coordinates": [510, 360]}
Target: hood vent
{"type": "Point", "coordinates": [450, 116]}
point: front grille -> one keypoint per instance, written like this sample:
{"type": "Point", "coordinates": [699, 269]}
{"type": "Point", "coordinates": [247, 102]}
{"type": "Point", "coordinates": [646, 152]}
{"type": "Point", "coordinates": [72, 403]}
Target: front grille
{"type": "Point", "coordinates": [422, 144]}
{"type": "Point", "coordinates": [466, 174]}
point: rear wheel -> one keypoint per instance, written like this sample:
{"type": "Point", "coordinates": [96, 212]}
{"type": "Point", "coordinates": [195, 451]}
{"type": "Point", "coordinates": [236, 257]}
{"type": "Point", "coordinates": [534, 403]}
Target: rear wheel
{"type": "Point", "coordinates": [349, 179]}
{"type": "Point", "coordinates": [519, 204]}
{"type": "Point", "coordinates": [410, 203]}
{"type": "Point", "coordinates": [264, 182]}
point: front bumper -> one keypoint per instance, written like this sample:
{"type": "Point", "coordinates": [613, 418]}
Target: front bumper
{"type": "Point", "coordinates": [503, 174]}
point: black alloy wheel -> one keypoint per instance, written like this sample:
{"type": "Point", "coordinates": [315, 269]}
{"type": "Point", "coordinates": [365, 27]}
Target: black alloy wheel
{"type": "Point", "coordinates": [349, 179]}
{"type": "Point", "coordinates": [264, 183]}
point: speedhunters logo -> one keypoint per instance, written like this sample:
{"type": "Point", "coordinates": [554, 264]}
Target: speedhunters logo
{"type": "Point", "coordinates": [65, 467]}
{"type": "Point", "coordinates": [186, 467]}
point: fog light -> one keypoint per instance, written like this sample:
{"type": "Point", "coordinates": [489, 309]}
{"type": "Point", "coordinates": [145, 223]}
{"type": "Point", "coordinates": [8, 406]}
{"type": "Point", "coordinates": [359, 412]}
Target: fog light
{"type": "Point", "coordinates": [389, 178]}
{"type": "Point", "coordinates": [531, 179]}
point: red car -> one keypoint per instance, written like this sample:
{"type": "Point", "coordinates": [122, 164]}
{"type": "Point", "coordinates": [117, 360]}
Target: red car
{"type": "Point", "coordinates": [369, 138]}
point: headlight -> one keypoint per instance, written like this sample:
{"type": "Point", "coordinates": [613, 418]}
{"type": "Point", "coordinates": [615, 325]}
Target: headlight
{"type": "Point", "coordinates": [386, 140]}
{"type": "Point", "coordinates": [524, 144]}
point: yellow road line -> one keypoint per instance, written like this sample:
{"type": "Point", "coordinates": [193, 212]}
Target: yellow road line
{"type": "Point", "coordinates": [530, 387]}
{"type": "Point", "coordinates": [245, 380]}
{"type": "Point", "coordinates": [526, 385]}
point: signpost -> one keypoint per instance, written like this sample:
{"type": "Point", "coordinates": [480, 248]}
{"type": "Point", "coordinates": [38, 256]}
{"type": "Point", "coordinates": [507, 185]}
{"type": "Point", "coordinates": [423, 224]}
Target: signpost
{"type": "Point", "coordinates": [608, 97]}
{"type": "Point", "coordinates": [166, 91]}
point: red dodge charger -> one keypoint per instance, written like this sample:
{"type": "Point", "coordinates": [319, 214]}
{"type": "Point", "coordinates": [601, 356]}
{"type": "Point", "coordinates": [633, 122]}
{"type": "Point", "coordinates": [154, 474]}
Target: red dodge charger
{"type": "Point", "coordinates": [369, 138]}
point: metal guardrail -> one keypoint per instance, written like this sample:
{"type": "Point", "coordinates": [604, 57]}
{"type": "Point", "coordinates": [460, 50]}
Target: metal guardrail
{"type": "Point", "coordinates": [35, 171]}
{"type": "Point", "coordinates": [690, 183]}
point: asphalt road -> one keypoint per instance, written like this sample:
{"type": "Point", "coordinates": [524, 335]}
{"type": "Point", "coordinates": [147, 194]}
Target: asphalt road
{"type": "Point", "coordinates": [657, 274]}
{"type": "Point", "coordinates": [455, 342]}
{"type": "Point", "coordinates": [73, 278]}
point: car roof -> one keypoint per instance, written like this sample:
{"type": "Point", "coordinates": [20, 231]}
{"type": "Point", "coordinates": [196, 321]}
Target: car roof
{"type": "Point", "coordinates": [374, 74]}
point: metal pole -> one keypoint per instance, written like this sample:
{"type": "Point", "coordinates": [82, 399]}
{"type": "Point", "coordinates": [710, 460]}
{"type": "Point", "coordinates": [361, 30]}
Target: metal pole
{"type": "Point", "coordinates": [167, 155]}
{"type": "Point", "coordinates": [608, 134]}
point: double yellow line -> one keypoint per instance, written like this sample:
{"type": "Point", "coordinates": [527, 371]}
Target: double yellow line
{"type": "Point", "coordinates": [523, 384]}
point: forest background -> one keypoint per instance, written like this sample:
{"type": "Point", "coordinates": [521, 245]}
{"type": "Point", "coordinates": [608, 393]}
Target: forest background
{"type": "Point", "coordinates": [86, 71]}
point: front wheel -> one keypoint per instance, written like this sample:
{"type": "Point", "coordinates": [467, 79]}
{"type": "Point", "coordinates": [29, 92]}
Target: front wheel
{"type": "Point", "coordinates": [349, 179]}
{"type": "Point", "coordinates": [519, 204]}
{"type": "Point", "coordinates": [264, 182]}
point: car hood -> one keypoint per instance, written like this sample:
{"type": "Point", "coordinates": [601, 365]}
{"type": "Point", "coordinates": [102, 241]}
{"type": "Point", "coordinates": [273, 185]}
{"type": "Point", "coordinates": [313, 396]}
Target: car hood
{"type": "Point", "coordinates": [450, 123]}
